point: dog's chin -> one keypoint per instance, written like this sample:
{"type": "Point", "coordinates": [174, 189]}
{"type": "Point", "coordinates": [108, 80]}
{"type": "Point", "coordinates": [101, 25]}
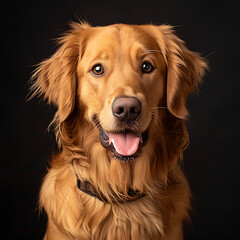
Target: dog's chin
{"type": "Point", "coordinates": [124, 145]}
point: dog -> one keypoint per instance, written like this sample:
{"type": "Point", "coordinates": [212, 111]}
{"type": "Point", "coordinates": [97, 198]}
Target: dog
{"type": "Point", "coordinates": [120, 92]}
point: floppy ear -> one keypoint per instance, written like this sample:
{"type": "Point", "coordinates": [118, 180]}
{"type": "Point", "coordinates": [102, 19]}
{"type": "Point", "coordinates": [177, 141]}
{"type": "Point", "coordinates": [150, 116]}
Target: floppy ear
{"type": "Point", "coordinates": [185, 70]}
{"type": "Point", "coordinates": [56, 77]}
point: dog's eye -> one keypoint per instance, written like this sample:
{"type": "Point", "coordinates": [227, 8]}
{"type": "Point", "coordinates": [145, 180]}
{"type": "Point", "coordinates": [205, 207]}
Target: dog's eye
{"type": "Point", "coordinates": [147, 67]}
{"type": "Point", "coordinates": [98, 70]}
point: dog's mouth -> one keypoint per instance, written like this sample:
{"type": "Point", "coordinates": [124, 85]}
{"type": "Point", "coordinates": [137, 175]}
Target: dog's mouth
{"type": "Point", "coordinates": [124, 145]}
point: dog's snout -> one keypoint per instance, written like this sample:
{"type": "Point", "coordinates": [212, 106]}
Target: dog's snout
{"type": "Point", "coordinates": [126, 109]}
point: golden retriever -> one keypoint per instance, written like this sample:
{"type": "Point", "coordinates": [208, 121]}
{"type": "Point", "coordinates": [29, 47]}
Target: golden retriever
{"type": "Point", "coordinates": [121, 95]}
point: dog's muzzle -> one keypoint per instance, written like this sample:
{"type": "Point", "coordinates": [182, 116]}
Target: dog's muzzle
{"type": "Point", "coordinates": [125, 144]}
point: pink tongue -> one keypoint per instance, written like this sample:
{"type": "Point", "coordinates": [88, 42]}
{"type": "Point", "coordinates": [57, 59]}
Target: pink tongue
{"type": "Point", "coordinates": [125, 144]}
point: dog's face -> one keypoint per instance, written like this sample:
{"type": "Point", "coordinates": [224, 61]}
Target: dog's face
{"type": "Point", "coordinates": [122, 79]}
{"type": "Point", "coordinates": [121, 92]}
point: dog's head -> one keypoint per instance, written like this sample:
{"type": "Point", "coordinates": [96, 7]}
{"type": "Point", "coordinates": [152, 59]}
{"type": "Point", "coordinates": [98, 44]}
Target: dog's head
{"type": "Point", "coordinates": [121, 94]}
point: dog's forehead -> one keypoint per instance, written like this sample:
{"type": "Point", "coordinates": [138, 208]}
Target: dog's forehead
{"type": "Point", "coordinates": [127, 39]}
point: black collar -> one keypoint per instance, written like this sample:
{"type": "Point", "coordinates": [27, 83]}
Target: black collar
{"type": "Point", "coordinates": [88, 188]}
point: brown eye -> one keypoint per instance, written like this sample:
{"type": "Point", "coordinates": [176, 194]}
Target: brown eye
{"type": "Point", "coordinates": [98, 70]}
{"type": "Point", "coordinates": [147, 67]}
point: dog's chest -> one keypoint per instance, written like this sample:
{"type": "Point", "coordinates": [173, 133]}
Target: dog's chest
{"type": "Point", "coordinates": [135, 220]}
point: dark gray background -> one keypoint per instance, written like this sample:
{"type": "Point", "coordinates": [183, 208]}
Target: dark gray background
{"type": "Point", "coordinates": [211, 162]}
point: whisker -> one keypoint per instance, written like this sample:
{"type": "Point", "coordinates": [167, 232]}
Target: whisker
{"type": "Point", "coordinates": [94, 129]}
{"type": "Point", "coordinates": [95, 121]}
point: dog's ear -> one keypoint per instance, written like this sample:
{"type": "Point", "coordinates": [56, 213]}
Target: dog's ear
{"type": "Point", "coordinates": [185, 70]}
{"type": "Point", "coordinates": [56, 77]}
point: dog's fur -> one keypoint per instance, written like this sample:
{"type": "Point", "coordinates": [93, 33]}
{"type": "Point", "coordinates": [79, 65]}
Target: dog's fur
{"type": "Point", "coordinates": [66, 80]}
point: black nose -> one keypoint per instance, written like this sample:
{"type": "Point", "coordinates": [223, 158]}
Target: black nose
{"type": "Point", "coordinates": [126, 109]}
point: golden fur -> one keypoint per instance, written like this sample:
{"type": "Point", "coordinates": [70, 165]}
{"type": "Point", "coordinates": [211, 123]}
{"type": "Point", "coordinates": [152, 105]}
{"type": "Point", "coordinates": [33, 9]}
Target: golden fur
{"type": "Point", "coordinates": [65, 80]}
